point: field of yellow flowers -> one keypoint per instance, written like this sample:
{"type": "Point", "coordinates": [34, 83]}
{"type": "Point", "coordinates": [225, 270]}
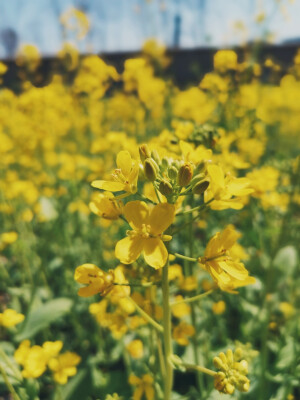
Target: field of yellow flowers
{"type": "Point", "coordinates": [148, 234]}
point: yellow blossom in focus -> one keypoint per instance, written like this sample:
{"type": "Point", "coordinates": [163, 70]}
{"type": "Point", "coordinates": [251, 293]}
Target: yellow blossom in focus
{"type": "Point", "coordinates": [147, 234]}
{"type": "Point", "coordinates": [227, 271]}
{"type": "Point", "coordinates": [144, 387]}
{"type": "Point", "coordinates": [97, 280]}
{"type": "Point", "coordinates": [222, 189]}
{"type": "Point", "coordinates": [104, 205]}
{"type": "Point", "coordinates": [10, 318]}
{"type": "Point", "coordinates": [124, 177]}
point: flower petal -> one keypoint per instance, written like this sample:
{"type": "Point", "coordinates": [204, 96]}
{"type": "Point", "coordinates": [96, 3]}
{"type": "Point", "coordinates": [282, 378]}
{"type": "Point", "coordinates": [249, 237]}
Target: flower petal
{"type": "Point", "coordinates": [107, 185]}
{"type": "Point", "coordinates": [161, 217]}
{"type": "Point", "coordinates": [234, 269]}
{"type": "Point", "coordinates": [128, 249]}
{"type": "Point", "coordinates": [217, 175]}
{"type": "Point", "coordinates": [136, 212]}
{"type": "Point", "coordinates": [124, 162]}
{"type": "Point", "coordinates": [155, 253]}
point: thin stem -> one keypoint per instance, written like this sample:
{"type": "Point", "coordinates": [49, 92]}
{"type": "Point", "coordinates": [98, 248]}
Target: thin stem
{"type": "Point", "coordinates": [147, 317]}
{"type": "Point", "coordinates": [8, 384]}
{"type": "Point", "coordinates": [185, 257]}
{"type": "Point", "coordinates": [199, 368]}
{"type": "Point", "coordinates": [147, 284]}
{"type": "Point", "coordinates": [168, 351]}
{"type": "Point", "coordinates": [192, 299]}
{"type": "Point", "coordinates": [198, 208]}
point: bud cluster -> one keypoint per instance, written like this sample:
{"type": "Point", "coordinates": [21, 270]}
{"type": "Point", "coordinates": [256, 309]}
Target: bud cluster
{"type": "Point", "coordinates": [232, 374]}
{"type": "Point", "coordinates": [170, 176]}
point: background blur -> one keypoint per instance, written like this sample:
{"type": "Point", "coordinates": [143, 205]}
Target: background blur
{"type": "Point", "coordinates": [124, 25]}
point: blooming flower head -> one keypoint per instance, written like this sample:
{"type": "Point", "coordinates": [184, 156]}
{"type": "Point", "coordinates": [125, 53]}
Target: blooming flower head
{"type": "Point", "coordinates": [222, 189]}
{"type": "Point", "coordinates": [10, 318]}
{"type": "Point", "coordinates": [225, 269]}
{"type": "Point", "coordinates": [124, 177]}
{"type": "Point", "coordinates": [147, 233]}
{"type": "Point", "coordinates": [104, 205]}
{"type": "Point", "coordinates": [33, 359]}
{"type": "Point", "coordinates": [232, 374]}
{"type": "Point", "coordinates": [64, 366]}
{"type": "Point", "coordinates": [97, 280]}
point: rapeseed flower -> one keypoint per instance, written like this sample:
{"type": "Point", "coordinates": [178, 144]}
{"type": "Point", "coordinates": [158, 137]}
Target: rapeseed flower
{"type": "Point", "coordinates": [10, 318]}
{"type": "Point", "coordinates": [64, 366]}
{"type": "Point", "coordinates": [97, 280]}
{"type": "Point", "coordinates": [227, 271]}
{"type": "Point", "coordinates": [124, 177]}
{"type": "Point", "coordinates": [146, 235]}
{"type": "Point", "coordinates": [144, 386]}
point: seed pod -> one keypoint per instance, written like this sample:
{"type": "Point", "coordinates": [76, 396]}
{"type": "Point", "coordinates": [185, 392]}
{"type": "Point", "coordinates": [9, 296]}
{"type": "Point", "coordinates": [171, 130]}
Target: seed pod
{"type": "Point", "coordinates": [150, 169]}
{"type": "Point", "coordinates": [165, 188]}
{"type": "Point", "coordinates": [172, 172]}
{"type": "Point", "coordinates": [144, 152]}
{"type": "Point", "coordinates": [200, 187]}
{"type": "Point", "coordinates": [185, 174]}
{"type": "Point", "coordinates": [164, 164]}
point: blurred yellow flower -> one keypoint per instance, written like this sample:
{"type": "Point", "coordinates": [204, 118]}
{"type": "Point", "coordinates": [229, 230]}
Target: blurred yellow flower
{"type": "Point", "coordinates": [10, 318]}
{"type": "Point", "coordinates": [144, 386]}
{"type": "Point", "coordinates": [135, 348]}
{"type": "Point", "coordinates": [64, 366]}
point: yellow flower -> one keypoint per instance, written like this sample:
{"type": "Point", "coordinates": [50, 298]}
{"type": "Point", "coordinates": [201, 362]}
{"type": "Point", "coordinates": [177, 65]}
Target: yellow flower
{"type": "Point", "coordinates": [124, 177]}
{"type": "Point", "coordinates": [10, 318]}
{"type": "Point", "coordinates": [182, 309]}
{"type": "Point", "coordinates": [181, 333]}
{"type": "Point", "coordinates": [147, 234]}
{"type": "Point", "coordinates": [104, 206]}
{"type": "Point", "coordinates": [225, 60]}
{"type": "Point", "coordinates": [226, 270]}
{"type": "Point", "coordinates": [233, 372]}
{"type": "Point", "coordinates": [219, 307]}
{"type": "Point", "coordinates": [97, 280]}
{"type": "Point", "coordinates": [7, 238]}
{"type": "Point", "coordinates": [64, 366]}
{"type": "Point", "coordinates": [222, 189]}
{"type": "Point", "coordinates": [33, 359]}
{"type": "Point", "coordinates": [144, 386]}
{"type": "Point", "coordinates": [135, 348]}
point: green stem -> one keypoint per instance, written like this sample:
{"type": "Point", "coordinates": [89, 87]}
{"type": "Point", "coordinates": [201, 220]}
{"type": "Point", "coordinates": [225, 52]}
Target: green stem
{"type": "Point", "coordinates": [8, 384]}
{"type": "Point", "coordinates": [199, 368]}
{"type": "Point", "coordinates": [147, 317]}
{"type": "Point", "coordinates": [185, 257]}
{"type": "Point", "coordinates": [168, 351]}
{"type": "Point", "coordinates": [192, 299]}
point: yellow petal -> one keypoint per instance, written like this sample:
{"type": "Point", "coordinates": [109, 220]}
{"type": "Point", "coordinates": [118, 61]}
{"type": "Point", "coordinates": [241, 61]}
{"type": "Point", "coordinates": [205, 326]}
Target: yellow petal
{"type": "Point", "coordinates": [228, 237]}
{"type": "Point", "coordinates": [107, 185]}
{"type": "Point", "coordinates": [84, 272]}
{"type": "Point", "coordinates": [161, 217]}
{"type": "Point", "coordinates": [155, 253]}
{"type": "Point", "coordinates": [124, 162]}
{"type": "Point", "coordinates": [234, 269]}
{"type": "Point", "coordinates": [136, 212]}
{"type": "Point", "coordinates": [149, 392]}
{"type": "Point", "coordinates": [128, 249]}
{"type": "Point", "coordinates": [217, 175]}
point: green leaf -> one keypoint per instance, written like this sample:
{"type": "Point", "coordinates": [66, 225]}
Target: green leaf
{"type": "Point", "coordinates": [43, 316]}
{"type": "Point", "coordinates": [286, 355]}
{"type": "Point", "coordinates": [286, 259]}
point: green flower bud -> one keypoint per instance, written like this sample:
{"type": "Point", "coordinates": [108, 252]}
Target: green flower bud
{"type": "Point", "coordinates": [172, 172]}
{"type": "Point", "coordinates": [185, 174]}
{"type": "Point", "coordinates": [200, 187]}
{"type": "Point", "coordinates": [165, 188]}
{"type": "Point", "coordinates": [150, 169]}
{"type": "Point", "coordinates": [164, 163]}
{"type": "Point", "coordinates": [155, 156]}
{"type": "Point", "coordinates": [144, 152]}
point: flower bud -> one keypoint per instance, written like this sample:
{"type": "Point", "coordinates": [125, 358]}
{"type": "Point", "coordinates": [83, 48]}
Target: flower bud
{"type": "Point", "coordinates": [164, 163]}
{"type": "Point", "coordinates": [185, 174]}
{"type": "Point", "coordinates": [155, 156]}
{"type": "Point", "coordinates": [144, 152]}
{"type": "Point", "coordinates": [165, 188]}
{"type": "Point", "coordinates": [150, 169]}
{"type": "Point", "coordinates": [172, 172]}
{"type": "Point", "coordinates": [200, 187]}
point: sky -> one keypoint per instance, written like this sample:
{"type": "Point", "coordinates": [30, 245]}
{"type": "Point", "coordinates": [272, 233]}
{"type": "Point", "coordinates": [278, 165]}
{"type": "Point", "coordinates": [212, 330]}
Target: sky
{"type": "Point", "coordinates": [123, 25]}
